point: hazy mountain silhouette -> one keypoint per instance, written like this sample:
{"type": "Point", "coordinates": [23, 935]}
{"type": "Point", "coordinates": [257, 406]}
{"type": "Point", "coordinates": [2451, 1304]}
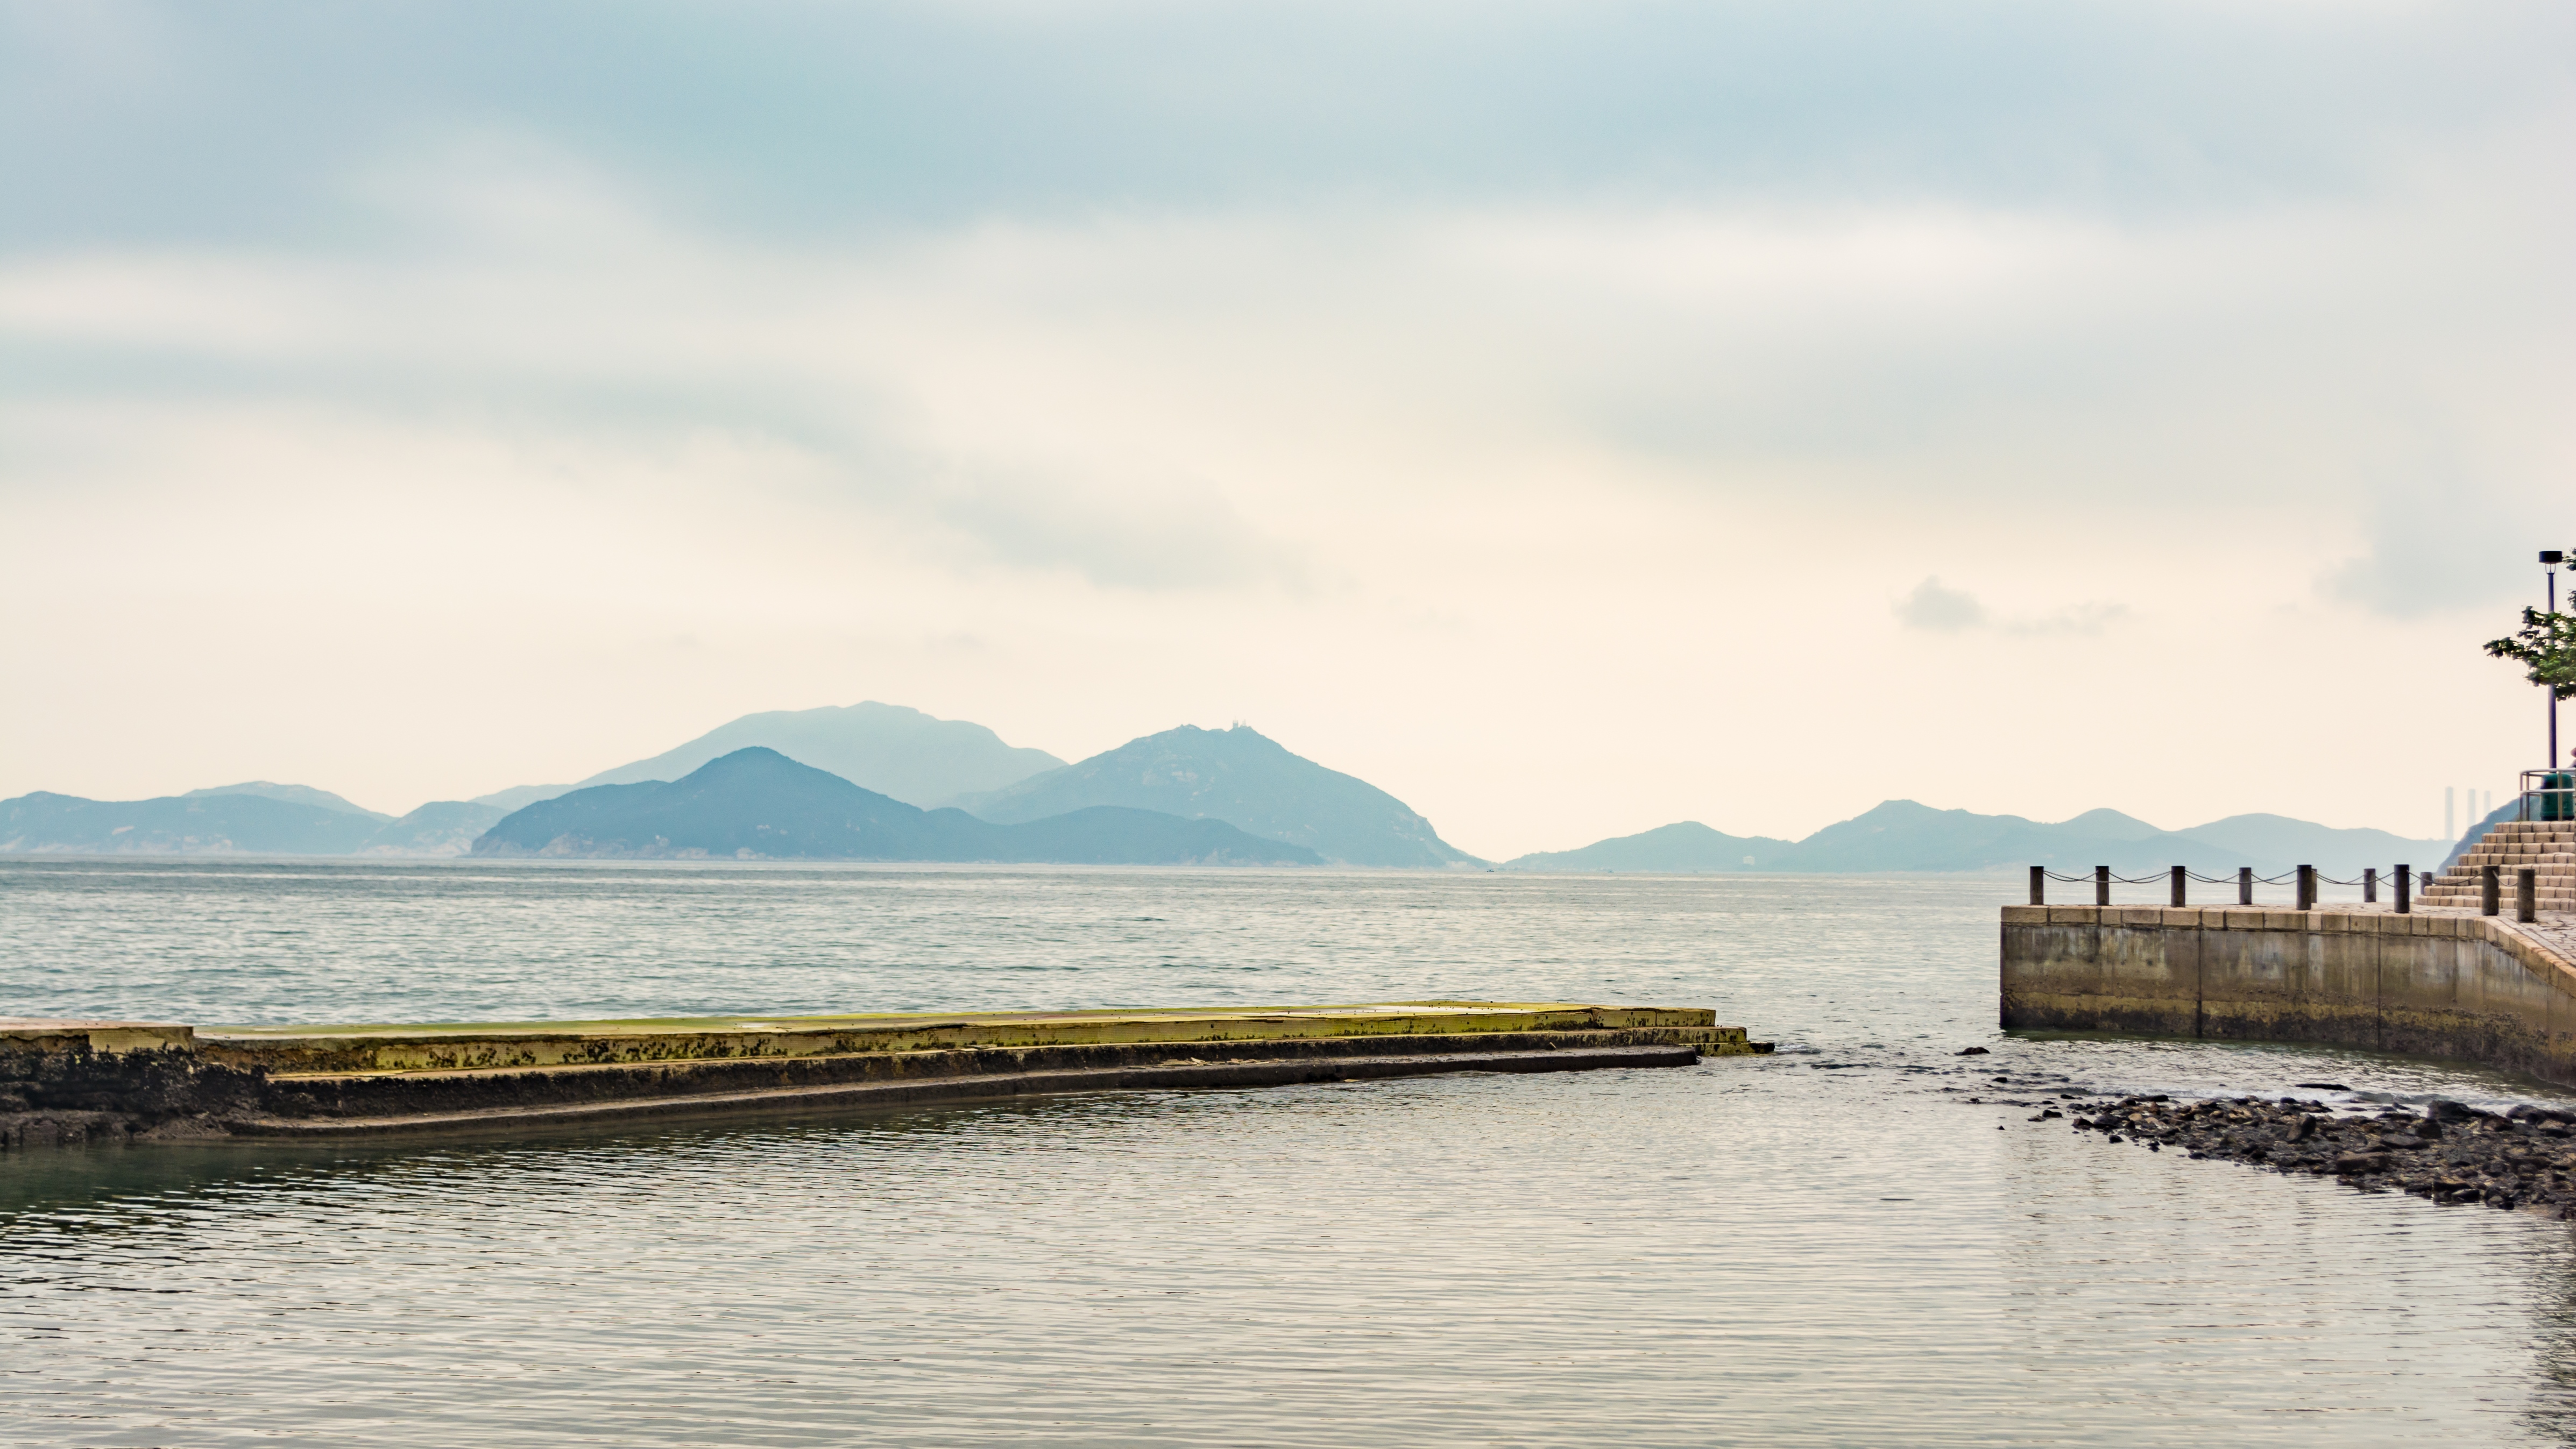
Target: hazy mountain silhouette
{"type": "Point", "coordinates": [441, 827]}
{"type": "Point", "coordinates": [2300, 842]}
{"type": "Point", "coordinates": [758, 804]}
{"type": "Point", "coordinates": [519, 795]}
{"type": "Point", "coordinates": [1243, 778]}
{"type": "Point", "coordinates": [299, 794]}
{"type": "Point", "coordinates": [886, 748]}
{"type": "Point", "coordinates": [1688, 847]}
{"type": "Point", "coordinates": [226, 824]}
{"type": "Point", "coordinates": [1901, 835]}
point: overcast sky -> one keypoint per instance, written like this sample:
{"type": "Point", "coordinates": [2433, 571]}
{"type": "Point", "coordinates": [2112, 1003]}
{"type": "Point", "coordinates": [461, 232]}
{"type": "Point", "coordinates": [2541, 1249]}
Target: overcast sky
{"type": "Point", "coordinates": [1571, 418]}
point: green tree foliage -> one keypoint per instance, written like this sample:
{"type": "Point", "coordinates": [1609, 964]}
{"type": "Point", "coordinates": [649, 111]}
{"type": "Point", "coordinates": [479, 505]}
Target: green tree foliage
{"type": "Point", "coordinates": [2547, 643]}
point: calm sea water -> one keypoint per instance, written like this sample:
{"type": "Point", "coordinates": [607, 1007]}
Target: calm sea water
{"type": "Point", "coordinates": [1825, 1247]}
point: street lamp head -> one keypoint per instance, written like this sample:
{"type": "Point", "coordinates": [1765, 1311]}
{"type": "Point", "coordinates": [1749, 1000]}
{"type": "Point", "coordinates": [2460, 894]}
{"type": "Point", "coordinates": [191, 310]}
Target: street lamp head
{"type": "Point", "coordinates": [2553, 556]}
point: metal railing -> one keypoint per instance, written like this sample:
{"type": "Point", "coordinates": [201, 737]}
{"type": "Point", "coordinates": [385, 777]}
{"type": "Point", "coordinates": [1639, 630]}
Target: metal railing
{"type": "Point", "coordinates": [2552, 798]}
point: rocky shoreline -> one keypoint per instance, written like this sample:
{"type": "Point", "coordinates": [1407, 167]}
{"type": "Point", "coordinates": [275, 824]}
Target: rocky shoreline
{"type": "Point", "coordinates": [2450, 1152]}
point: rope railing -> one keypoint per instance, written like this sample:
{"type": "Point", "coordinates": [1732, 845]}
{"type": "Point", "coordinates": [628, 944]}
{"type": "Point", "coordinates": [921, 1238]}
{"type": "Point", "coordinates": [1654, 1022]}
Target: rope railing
{"type": "Point", "coordinates": [2408, 882]}
{"type": "Point", "coordinates": [2404, 878]}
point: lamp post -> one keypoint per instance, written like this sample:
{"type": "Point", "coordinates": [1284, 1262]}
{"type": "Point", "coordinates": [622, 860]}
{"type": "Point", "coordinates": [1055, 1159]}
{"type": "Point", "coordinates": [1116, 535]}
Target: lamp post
{"type": "Point", "coordinates": [2550, 559]}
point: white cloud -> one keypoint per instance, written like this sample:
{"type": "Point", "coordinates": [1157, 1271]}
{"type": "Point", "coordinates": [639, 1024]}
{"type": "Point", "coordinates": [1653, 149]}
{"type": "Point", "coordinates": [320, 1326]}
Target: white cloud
{"type": "Point", "coordinates": [1940, 610]}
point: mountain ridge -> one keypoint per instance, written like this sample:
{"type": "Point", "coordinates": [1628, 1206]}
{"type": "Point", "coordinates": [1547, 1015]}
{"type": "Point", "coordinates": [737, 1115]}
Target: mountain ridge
{"type": "Point", "coordinates": [224, 822]}
{"type": "Point", "coordinates": [891, 749]}
{"type": "Point", "coordinates": [1905, 835]}
{"type": "Point", "coordinates": [757, 804]}
{"type": "Point", "coordinates": [1244, 778]}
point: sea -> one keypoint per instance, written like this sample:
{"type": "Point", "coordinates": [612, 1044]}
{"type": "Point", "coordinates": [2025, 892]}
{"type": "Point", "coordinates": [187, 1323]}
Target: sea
{"type": "Point", "coordinates": [1857, 1240]}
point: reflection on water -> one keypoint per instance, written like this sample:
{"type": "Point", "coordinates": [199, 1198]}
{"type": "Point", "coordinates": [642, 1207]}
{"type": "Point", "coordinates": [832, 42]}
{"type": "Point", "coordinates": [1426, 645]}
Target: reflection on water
{"type": "Point", "coordinates": [1830, 1246]}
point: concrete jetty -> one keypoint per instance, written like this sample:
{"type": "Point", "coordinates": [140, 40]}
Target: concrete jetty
{"type": "Point", "coordinates": [71, 1081]}
{"type": "Point", "coordinates": [2440, 981]}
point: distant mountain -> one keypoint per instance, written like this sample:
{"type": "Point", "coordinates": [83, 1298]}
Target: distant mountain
{"type": "Point", "coordinates": [2278, 837]}
{"type": "Point", "coordinates": [1242, 778]}
{"type": "Point", "coordinates": [881, 747]}
{"type": "Point", "coordinates": [758, 804]}
{"type": "Point", "coordinates": [1686, 848]}
{"type": "Point", "coordinates": [180, 824]}
{"type": "Point", "coordinates": [1901, 835]}
{"type": "Point", "coordinates": [297, 794]}
{"type": "Point", "coordinates": [518, 796]}
{"type": "Point", "coordinates": [441, 827]}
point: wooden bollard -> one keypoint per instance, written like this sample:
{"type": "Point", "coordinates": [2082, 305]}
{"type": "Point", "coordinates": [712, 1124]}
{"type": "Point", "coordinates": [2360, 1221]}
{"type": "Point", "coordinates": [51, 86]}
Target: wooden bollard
{"type": "Point", "coordinates": [2244, 885]}
{"type": "Point", "coordinates": [2178, 891]}
{"type": "Point", "coordinates": [2405, 890]}
{"type": "Point", "coordinates": [2370, 885]}
{"type": "Point", "coordinates": [2490, 887]}
{"type": "Point", "coordinates": [2526, 895]}
{"type": "Point", "coordinates": [2307, 887]}
{"type": "Point", "coordinates": [2039, 885]}
{"type": "Point", "coordinates": [2101, 885]}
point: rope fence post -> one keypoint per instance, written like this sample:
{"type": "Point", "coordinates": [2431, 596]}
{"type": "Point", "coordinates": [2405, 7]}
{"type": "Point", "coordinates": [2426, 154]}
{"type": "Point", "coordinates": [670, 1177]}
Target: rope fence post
{"type": "Point", "coordinates": [2526, 895]}
{"type": "Point", "coordinates": [2178, 889]}
{"type": "Point", "coordinates": [2370, 885]}
{"type": "Point", "coordinates": [2307, 887]}
{"type": "Point", "coordinates": [2244, 885]}
{"type": "Point", "coordinates": [2039, 885]}
{"type": "Point", "coordinates": [2490, 888]}
{"type": "Point", "coordinates": [2101, 885]}
{"type": "Point", "coordinates": [2405, 890]}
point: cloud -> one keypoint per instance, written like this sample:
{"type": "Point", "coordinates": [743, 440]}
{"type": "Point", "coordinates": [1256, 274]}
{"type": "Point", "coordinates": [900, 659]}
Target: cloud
{"type": "Point", "coordinates": [810, 121]}
{"type": "Point", "coordinates": [1166, 536]}
{"type": "Point", "coordinates": [1942, 610]}
{"type": "Point", "coordinates": [2449, 543]}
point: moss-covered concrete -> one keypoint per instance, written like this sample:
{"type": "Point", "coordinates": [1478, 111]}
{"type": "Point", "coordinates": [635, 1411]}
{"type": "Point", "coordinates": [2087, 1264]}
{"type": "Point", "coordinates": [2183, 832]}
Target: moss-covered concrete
{"type": "Point", "coordinates": [289, 1051]}
{"type": "Point", "coordinates": [2467, 987]}
{"type": "Point", "coordinates": [73, 1079]}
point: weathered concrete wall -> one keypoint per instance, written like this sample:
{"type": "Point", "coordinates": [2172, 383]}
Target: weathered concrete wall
{"type": "Point", "coordinates": [2472, 988]}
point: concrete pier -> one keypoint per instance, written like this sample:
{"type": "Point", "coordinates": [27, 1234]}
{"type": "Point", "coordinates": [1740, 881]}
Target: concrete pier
{"type": "Point", "coordinates": [2434, 983]}
{"type": "Point", "coordinates": [70, 1081]}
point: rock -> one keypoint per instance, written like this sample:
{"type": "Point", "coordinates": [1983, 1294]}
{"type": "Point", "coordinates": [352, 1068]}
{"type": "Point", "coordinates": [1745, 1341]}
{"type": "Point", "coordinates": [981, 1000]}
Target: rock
{"type": "Point", "coordinates": [2349, 1163]}
{"type": "Point", "coordinates": [2406, 1140]}
{"type": "Point", "coordinates": [2444, 1110]}
{"type": "Point", "coordinates": [1972, 1052]}
{"type": "Point", "coordinates": [2321, 1086]}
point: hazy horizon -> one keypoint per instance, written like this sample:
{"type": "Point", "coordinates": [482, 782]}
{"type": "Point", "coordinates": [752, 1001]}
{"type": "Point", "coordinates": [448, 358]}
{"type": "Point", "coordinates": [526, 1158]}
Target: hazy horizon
{"type": "Point", "coordinates": [1569, 419]}
{"type": "Point", "coordinates": [623, 771]}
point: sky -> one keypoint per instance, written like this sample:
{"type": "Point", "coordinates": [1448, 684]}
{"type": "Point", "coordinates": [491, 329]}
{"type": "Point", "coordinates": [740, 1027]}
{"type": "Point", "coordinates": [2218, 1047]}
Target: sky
{"type": "Point", "coordinates": [1571, 418]}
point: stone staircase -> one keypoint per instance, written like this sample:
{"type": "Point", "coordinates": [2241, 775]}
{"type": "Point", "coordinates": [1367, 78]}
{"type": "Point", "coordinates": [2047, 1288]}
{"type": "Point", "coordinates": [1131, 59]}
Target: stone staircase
{"type": "Point", "coordinates": [2548, 846]}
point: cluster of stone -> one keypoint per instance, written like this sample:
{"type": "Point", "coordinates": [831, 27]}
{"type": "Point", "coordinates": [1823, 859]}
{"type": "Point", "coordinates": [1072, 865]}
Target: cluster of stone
{"type": "Point", "coordinates": [2451, 1153]}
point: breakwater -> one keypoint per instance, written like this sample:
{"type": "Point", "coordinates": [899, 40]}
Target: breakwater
{"type": "Point", "coordinates": [2450, 1153]}
{"type": "Point", "coordinates": [2468, 987]}
{"type": "Point", "coordinates": [68, 1081]}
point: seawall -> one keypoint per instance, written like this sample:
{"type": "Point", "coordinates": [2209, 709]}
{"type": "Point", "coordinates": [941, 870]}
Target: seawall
{"type": "Point", "coordinates": [2439, 984]}
{"type": "Point", "coordinates": [63, 1081]}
